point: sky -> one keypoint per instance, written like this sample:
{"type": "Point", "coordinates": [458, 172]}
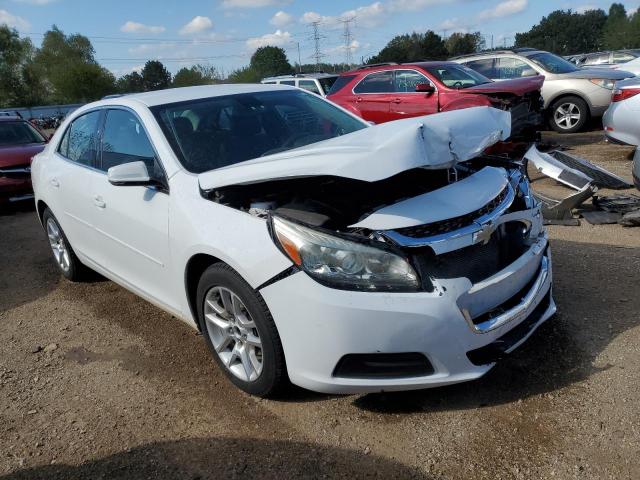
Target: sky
{"type": "Point", "coordinates": [225, 33]}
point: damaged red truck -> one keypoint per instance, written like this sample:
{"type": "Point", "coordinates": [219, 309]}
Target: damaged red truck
{"type": "Point", "coordinates": [381, 93]}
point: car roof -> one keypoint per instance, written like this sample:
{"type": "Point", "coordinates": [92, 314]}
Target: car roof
{"type": "Point", "coordinates": [396, 66]}
{"type": "Point", "coordinates": [174, 95]}
{"type": "Point", "coordinates": [524, 52]}
{"type": "Point", "coordinates": [302, 75]}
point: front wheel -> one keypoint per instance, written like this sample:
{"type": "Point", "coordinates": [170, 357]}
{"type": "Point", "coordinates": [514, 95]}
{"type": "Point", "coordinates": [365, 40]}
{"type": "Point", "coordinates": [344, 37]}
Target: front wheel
{"type": "Point", "coordinates": [240, 332]}
{"type": "Point", "coordinates": [569, 114]}
{"type": "Point", "coordinates": [64, 256]}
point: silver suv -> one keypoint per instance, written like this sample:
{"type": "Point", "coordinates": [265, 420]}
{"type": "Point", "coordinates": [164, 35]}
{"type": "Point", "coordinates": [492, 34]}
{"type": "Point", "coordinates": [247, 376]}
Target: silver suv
{"type": "Point", "coordinates": [571, 94]}
{"type": "Point", "coordinates": [319, 83]}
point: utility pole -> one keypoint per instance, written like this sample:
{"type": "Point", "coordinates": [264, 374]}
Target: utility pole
{"type": "Point", "coordinates": [299, 60]}
{"type": "Point", "coordinates": [492, 41]}
{"type": "Point", "coordinates": [316, 37]}
{"type": "Point", "coordinates": [348, 39]}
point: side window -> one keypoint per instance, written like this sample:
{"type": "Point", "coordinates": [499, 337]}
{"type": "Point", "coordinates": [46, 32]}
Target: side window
{"type": "Point", "coordinates": [79, 143]}
{"type": "Point", "coordinates": [483, 67]}
{"type": "Point", "coordinates": [309, 85]}
{"type": "Point", "coordinates": [124, 141]}
{"type": "Point", "coordinates": [508, 67]}
{"type": "Point", "coordinates": [288, 82]}
{"type": "Point", "coordinates": [621, 57]}
{"type": "Point", "coordinates": [597, 59]}
{"type": "Point", "coordinates": [381, 82]}
{"type": "Point", "coordinates": [406, 81]}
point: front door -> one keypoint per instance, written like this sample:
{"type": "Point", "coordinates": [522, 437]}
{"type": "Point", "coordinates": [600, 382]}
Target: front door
{"type": "Point", "coordinates": [406, 101]}
{"type": "Point", "coordinates": [132, 222]}
{"type": "Point", "coordinates": [373, 96]}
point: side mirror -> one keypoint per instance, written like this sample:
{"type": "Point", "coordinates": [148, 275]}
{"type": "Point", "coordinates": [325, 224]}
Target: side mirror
{"type": "Point", "coordinates": [129, 174]}
{"type": "Point", "coordinates": [528, 72]}
{"type": "Point", "coordinates": [425, 88]}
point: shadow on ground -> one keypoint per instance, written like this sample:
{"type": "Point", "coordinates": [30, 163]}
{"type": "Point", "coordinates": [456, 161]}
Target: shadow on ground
{"type": "Point", "coordinates": [595, 288]}
{"type": "Point", "coordinates": [226, 458]}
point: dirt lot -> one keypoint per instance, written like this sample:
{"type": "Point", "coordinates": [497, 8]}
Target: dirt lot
{"type": "Point", "coordinates": [97, 383]}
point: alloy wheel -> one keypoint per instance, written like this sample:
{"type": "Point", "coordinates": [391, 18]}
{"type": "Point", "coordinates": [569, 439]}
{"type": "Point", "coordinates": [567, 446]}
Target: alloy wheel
{"type": "Point", "coordinates": [233, 333]}
{"type": "Point", "coordinates": [567, 115]}
{"type": "Point", "coordinates": [58, 245]}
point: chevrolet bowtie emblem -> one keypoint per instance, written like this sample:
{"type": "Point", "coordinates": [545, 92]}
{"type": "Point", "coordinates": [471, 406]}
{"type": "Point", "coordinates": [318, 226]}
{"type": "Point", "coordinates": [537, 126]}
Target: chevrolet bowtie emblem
{"type": "Point", "coordinates": [484, 234]}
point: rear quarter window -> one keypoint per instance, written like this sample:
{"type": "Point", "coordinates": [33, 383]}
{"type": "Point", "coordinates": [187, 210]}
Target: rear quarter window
{"type": "Point", "coordinates": [340, 83]}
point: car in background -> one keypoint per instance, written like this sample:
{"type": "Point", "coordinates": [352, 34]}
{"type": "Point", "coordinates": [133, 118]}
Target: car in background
{"type": "Point", "coordinates": [319, 83]}
{"type": "Point", "coordinates": [571, 94]}
{"type": "Point", "coordinates": [385, 92]}
{"type": "Point", "coordinates": [609, 59]}
{"type": "Point", "coordinates": [19, 142]}
{"type": "Point", "coordinates": [302, 242]}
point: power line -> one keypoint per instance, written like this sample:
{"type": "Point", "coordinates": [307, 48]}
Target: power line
{"type": "Point", "coordinates": [348, 39]}
{"type": "Point", "coordinates": [316, 37]}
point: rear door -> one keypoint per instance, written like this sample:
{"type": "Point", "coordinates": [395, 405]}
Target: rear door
{"type": "Point", "coordinates": [132, 222]}
{"type": "Point", "coordinates": [373, 96]}
{"type": "Point", "coordinates": [406, 102]}
{"type": "Point", "coordinates": [70, 172]}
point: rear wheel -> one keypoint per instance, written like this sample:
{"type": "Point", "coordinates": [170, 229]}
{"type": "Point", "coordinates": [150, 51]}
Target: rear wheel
{"type": "Point", "coordinates": [240, 332]}
{"type": "Point", "coordinates": [569, 114]}
{"type": "Point", "coordinates": [64, 256]}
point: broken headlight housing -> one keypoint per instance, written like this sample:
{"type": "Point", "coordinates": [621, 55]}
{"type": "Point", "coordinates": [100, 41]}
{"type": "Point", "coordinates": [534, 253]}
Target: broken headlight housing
{"type": "Point", "coordinates": [344, 264]}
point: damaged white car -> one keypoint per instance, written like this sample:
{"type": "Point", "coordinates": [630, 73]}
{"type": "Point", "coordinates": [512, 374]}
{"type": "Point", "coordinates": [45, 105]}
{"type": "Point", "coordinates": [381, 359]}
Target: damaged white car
{"type": "Point", "coordinates": [304, 244]}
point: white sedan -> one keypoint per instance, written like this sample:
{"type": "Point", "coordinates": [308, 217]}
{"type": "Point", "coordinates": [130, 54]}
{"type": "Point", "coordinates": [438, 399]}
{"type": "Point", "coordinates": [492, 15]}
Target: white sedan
{"type": "Point", "coordinates": [304, 244]}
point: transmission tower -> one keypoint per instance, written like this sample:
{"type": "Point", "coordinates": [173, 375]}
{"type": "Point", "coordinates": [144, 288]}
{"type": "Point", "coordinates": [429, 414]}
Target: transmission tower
{"type": "Point", "coordinates": [316, 37]}
{"type": "Point", "coordinates": [348, 39]}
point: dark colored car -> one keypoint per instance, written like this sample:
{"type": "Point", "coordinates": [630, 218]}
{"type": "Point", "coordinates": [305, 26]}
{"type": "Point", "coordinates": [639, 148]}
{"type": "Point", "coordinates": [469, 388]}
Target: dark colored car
{"type": "Point", "coordinates": [19, 142]}
{"type": "Point", "coordinates": [381, 93]}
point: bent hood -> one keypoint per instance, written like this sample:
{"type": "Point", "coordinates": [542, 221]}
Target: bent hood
{"type": "Point", "coordinates": [517, 86]}
{"type": "Point", "coordinates": [377, 152]}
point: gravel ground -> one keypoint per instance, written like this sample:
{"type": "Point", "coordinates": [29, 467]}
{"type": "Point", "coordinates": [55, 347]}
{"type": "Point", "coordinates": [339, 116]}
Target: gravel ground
{"type": "Point", "coordinates": [97, 383]}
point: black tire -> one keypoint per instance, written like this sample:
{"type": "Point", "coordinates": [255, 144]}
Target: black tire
{"type": "Point", "coordinates": [273, 379]}
{"type": "Point", "coordinates": [569, 105]}
{"type": "Point", "coordinates": [76, 271]}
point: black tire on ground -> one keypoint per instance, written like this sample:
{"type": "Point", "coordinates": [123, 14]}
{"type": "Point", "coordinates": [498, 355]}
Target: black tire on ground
{"type": "Point", "coordinates": [76, 271]}
{"type": "Point", "coordinates": [562, 114]}
{"type": "Point", "coordinates": [273, 379]}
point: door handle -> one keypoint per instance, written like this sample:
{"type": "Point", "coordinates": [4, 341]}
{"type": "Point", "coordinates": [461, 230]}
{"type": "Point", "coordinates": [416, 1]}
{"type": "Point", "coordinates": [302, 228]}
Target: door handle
{"type": "Point", "coordinates": [397, 100]}
{"type": "Point", "coordinates": [358, 99]}
{"type": "Point", "coordinates": [54, 182]}
{"type": "Point", "coordinates": [99, 202]}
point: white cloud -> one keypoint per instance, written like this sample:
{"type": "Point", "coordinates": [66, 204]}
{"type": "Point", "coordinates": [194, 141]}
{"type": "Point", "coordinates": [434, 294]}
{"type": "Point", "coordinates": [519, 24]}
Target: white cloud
{"type": "Point", "coordinates": [281, 19]}
{"type": "Point", "coordinates": [504, 9]}
{"type": "Point", "coordinates": [197, 25]}
{"type": "Point", "coordinates": [253, 3]}
{"type": "Point", "coordinates": [366, 16]}
{"type": "Point", "coordinates": [135, 27]}
{"type": "Point", "coordinates": [145, 48]}
{"type": "Point", "coordinates": [585, 8]}
{"type": "Point", "coordinates": [277, 39]}
{"type": "Point", "coordinates": [13, 21]}
{"type": "Point", "coordinates": [36, 2]}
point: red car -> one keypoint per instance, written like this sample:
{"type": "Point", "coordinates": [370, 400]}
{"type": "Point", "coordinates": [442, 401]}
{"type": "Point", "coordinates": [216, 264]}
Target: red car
{"type": "Point", "coordinates": [19, 142]}
{"type": "Point", "coordinates": [381, 93]}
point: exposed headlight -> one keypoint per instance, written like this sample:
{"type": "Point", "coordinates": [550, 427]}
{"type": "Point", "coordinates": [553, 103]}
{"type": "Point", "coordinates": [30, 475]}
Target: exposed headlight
{"type": "Point", "coordinates": [604, 83]}
{"type": "Point", "coordinates": [341, 263]}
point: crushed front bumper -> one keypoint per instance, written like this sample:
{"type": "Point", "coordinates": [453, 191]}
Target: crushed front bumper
{"type": "Point", "coordinates": [319, 326]}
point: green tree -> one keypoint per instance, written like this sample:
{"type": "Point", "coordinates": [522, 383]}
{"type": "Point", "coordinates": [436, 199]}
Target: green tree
{"type": "Point", "coordinates": [196, 75]}
{"type": "Point", "coordinates": [269, 61]}
{"type": "Point", "coordinates": [130, 83]}
{"type": "Point", "coordinates": [411, 48]}
{"type": "Point", "coordinates": [155, 76]}
{"type": "Point", "coordinates": [244, 75]}
{"type": "Point", "coordinates": [566, 32]}
{"type": "Point", "coordinates": [463, 43]}
{"type": "Point", "coordinates": [70, 70]}
{"type": "Point", "coordinates": [616, 32]}
{"type": "Point", "coordinates": [20, 83]}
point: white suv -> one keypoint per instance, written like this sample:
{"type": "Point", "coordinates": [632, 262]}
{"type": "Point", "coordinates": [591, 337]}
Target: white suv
{"type": "Point", "coordinates": [303, 243]}
{"type": "Point", "coordinates": [318, 83]}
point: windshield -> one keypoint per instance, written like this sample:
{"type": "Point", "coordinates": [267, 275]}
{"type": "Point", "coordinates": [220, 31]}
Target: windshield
{"type": "Point", "coordinates": [19, 133]}
{"type": "Point", "coordinates": [552, 63]}
{"type": "Point", "coordinates": [457, 76]}
{"type": "Point", "coordinates": [327, 83]}
{"type": "Point", "coordinates": [217, 132]}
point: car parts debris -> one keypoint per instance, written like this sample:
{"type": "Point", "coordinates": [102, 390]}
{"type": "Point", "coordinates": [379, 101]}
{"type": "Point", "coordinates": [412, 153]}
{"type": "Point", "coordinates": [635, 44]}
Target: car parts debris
{"type": "Point", "coordinates": [601, 177]}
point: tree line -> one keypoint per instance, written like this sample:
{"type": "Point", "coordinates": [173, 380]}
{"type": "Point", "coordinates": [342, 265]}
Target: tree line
{"type": "Point", "coordinates": [64, 68]}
